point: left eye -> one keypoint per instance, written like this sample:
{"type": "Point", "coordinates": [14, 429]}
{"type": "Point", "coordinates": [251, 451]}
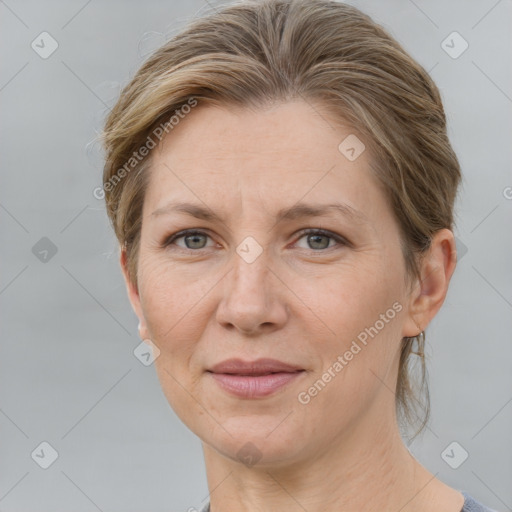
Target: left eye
{"type": "Point", "coordinates": [319, 239]}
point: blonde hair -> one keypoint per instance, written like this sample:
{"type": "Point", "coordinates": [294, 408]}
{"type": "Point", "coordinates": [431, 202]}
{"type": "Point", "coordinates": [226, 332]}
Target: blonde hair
{"type": "Point", "coordinates": [254, 53]}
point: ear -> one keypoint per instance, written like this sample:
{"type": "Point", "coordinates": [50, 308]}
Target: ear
{"type": "Point", "coordinates": [133, 296]}
{"type": "Point", "coordinates": [430, 291]}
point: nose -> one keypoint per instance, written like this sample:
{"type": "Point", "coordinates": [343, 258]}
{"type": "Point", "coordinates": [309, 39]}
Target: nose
{"type": "Point", "coordinates": [253, 297]}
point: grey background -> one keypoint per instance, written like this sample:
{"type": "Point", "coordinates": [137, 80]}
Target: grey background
{"type": "Point", "coordinates": [68, 373]}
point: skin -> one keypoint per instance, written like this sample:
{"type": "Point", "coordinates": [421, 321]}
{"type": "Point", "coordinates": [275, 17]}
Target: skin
{"type": "Point", "coordinates": [303, 301]}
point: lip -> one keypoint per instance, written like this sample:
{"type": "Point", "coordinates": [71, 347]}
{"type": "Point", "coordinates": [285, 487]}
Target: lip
{"type": "Point", "coordinates": [256, 367]}
{"type": "Point", "coordinates": [254, 379]}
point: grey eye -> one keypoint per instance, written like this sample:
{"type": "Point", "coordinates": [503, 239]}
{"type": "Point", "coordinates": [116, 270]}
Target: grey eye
{"type": "Point", "coordinates": [318, 241]}
{"type": "Point", "coordinates": [194, 241]}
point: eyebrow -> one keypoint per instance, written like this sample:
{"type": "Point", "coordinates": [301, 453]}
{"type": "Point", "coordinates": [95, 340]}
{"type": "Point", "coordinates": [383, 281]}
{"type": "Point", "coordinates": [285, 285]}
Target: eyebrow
{"type": "Point", "coordinates": [297, 211]}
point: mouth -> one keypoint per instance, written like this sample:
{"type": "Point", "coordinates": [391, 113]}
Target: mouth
{"type": "Point", "coordinates": [256, 367]}
{"type": "Point", "coordinates": [254, 379]}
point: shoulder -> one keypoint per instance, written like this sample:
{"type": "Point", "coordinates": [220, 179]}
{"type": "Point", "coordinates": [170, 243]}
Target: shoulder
{"type": "Point", "coordinates": [472, 505]}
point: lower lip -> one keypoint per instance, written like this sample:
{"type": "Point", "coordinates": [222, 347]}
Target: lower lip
{"type": "Point", "coordinates": [246, 386]}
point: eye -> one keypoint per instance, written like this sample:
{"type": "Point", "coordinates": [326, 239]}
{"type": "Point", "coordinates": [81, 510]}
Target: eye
{"type": "Point", "coordinates": [319, 239]}
{"type": "Point", "coordinates": [193, 239]}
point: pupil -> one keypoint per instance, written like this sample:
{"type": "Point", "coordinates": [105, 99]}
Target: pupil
{"type": "Point", "coordinates": [194, 238]}
{"type": "Point", "coordinates": [317, 237]}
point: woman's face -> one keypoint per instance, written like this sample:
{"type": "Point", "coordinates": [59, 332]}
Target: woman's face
{"type": "Point", "coordinates": [252, 284]}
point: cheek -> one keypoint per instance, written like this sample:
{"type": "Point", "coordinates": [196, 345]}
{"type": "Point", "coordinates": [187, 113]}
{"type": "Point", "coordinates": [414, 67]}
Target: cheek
{"type": "Point", "coordinates": [171, 302]}
{"type": "Point", "coordinates": [174, 305]}
{"type": "Point", "coordinates": [361, 314]}
{"type": "Point", "coordinates": [172, 310]}
{"type": "Point", "coordinates": [349, 300]}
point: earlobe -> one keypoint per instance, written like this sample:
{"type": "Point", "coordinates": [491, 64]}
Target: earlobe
{"type": "Point", "coordinates": [133, 295]}
{"type": "Point", "coordinates": [430, 291]}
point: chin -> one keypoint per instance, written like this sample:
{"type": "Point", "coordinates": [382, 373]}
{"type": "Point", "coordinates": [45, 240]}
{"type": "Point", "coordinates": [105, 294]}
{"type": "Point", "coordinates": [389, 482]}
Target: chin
{"type": "Point", "coordinates": [253, 440]}
{"type": "Point", "coordinates": [258, 453]}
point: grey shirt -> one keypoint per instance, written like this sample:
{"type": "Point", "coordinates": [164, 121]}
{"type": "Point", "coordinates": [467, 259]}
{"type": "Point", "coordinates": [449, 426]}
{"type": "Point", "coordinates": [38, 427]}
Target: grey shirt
{"type": "Point", "coordinates": [470, 505]}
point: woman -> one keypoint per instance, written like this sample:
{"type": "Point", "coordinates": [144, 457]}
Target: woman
{"type": "Point", "coordinates": [281, 184]}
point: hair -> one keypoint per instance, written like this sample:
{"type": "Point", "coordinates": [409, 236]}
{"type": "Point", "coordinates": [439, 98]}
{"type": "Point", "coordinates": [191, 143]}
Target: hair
{"type": "Point", "coordinates": [255, 53]}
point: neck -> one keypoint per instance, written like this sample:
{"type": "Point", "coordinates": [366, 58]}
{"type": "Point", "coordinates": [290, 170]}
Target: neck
{"type": "Point", "coordinates": [352, 474]}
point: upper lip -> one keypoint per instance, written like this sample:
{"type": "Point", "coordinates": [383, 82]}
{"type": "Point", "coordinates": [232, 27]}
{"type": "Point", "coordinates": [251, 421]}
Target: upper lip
{"type": "Point", "coordinates": [256, 367]}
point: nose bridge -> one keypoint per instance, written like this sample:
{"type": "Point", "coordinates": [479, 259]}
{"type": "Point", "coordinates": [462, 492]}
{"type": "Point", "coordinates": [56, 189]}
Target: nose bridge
{"type": "Point", "coordinates": [251, 297]}
{"type": "Point", "coordinates": [251, 259]}
{"type": "Point", "coordinates": [249, 276]}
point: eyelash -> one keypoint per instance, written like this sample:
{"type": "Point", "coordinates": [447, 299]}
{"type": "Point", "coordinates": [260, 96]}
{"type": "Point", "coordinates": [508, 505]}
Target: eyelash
{"type": "Point", "coordinates": [311, 231]}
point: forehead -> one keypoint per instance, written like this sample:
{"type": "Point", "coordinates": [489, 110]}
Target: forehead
{"type": "Point", "coordinates": [286, 130]}
{"type": "Point", "coordinates": [271, 157]}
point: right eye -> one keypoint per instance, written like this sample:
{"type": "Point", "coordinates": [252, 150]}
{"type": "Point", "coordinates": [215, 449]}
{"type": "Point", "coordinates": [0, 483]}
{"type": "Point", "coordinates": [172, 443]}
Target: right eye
{"type": "Point", "coordinates": [193, 239]}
